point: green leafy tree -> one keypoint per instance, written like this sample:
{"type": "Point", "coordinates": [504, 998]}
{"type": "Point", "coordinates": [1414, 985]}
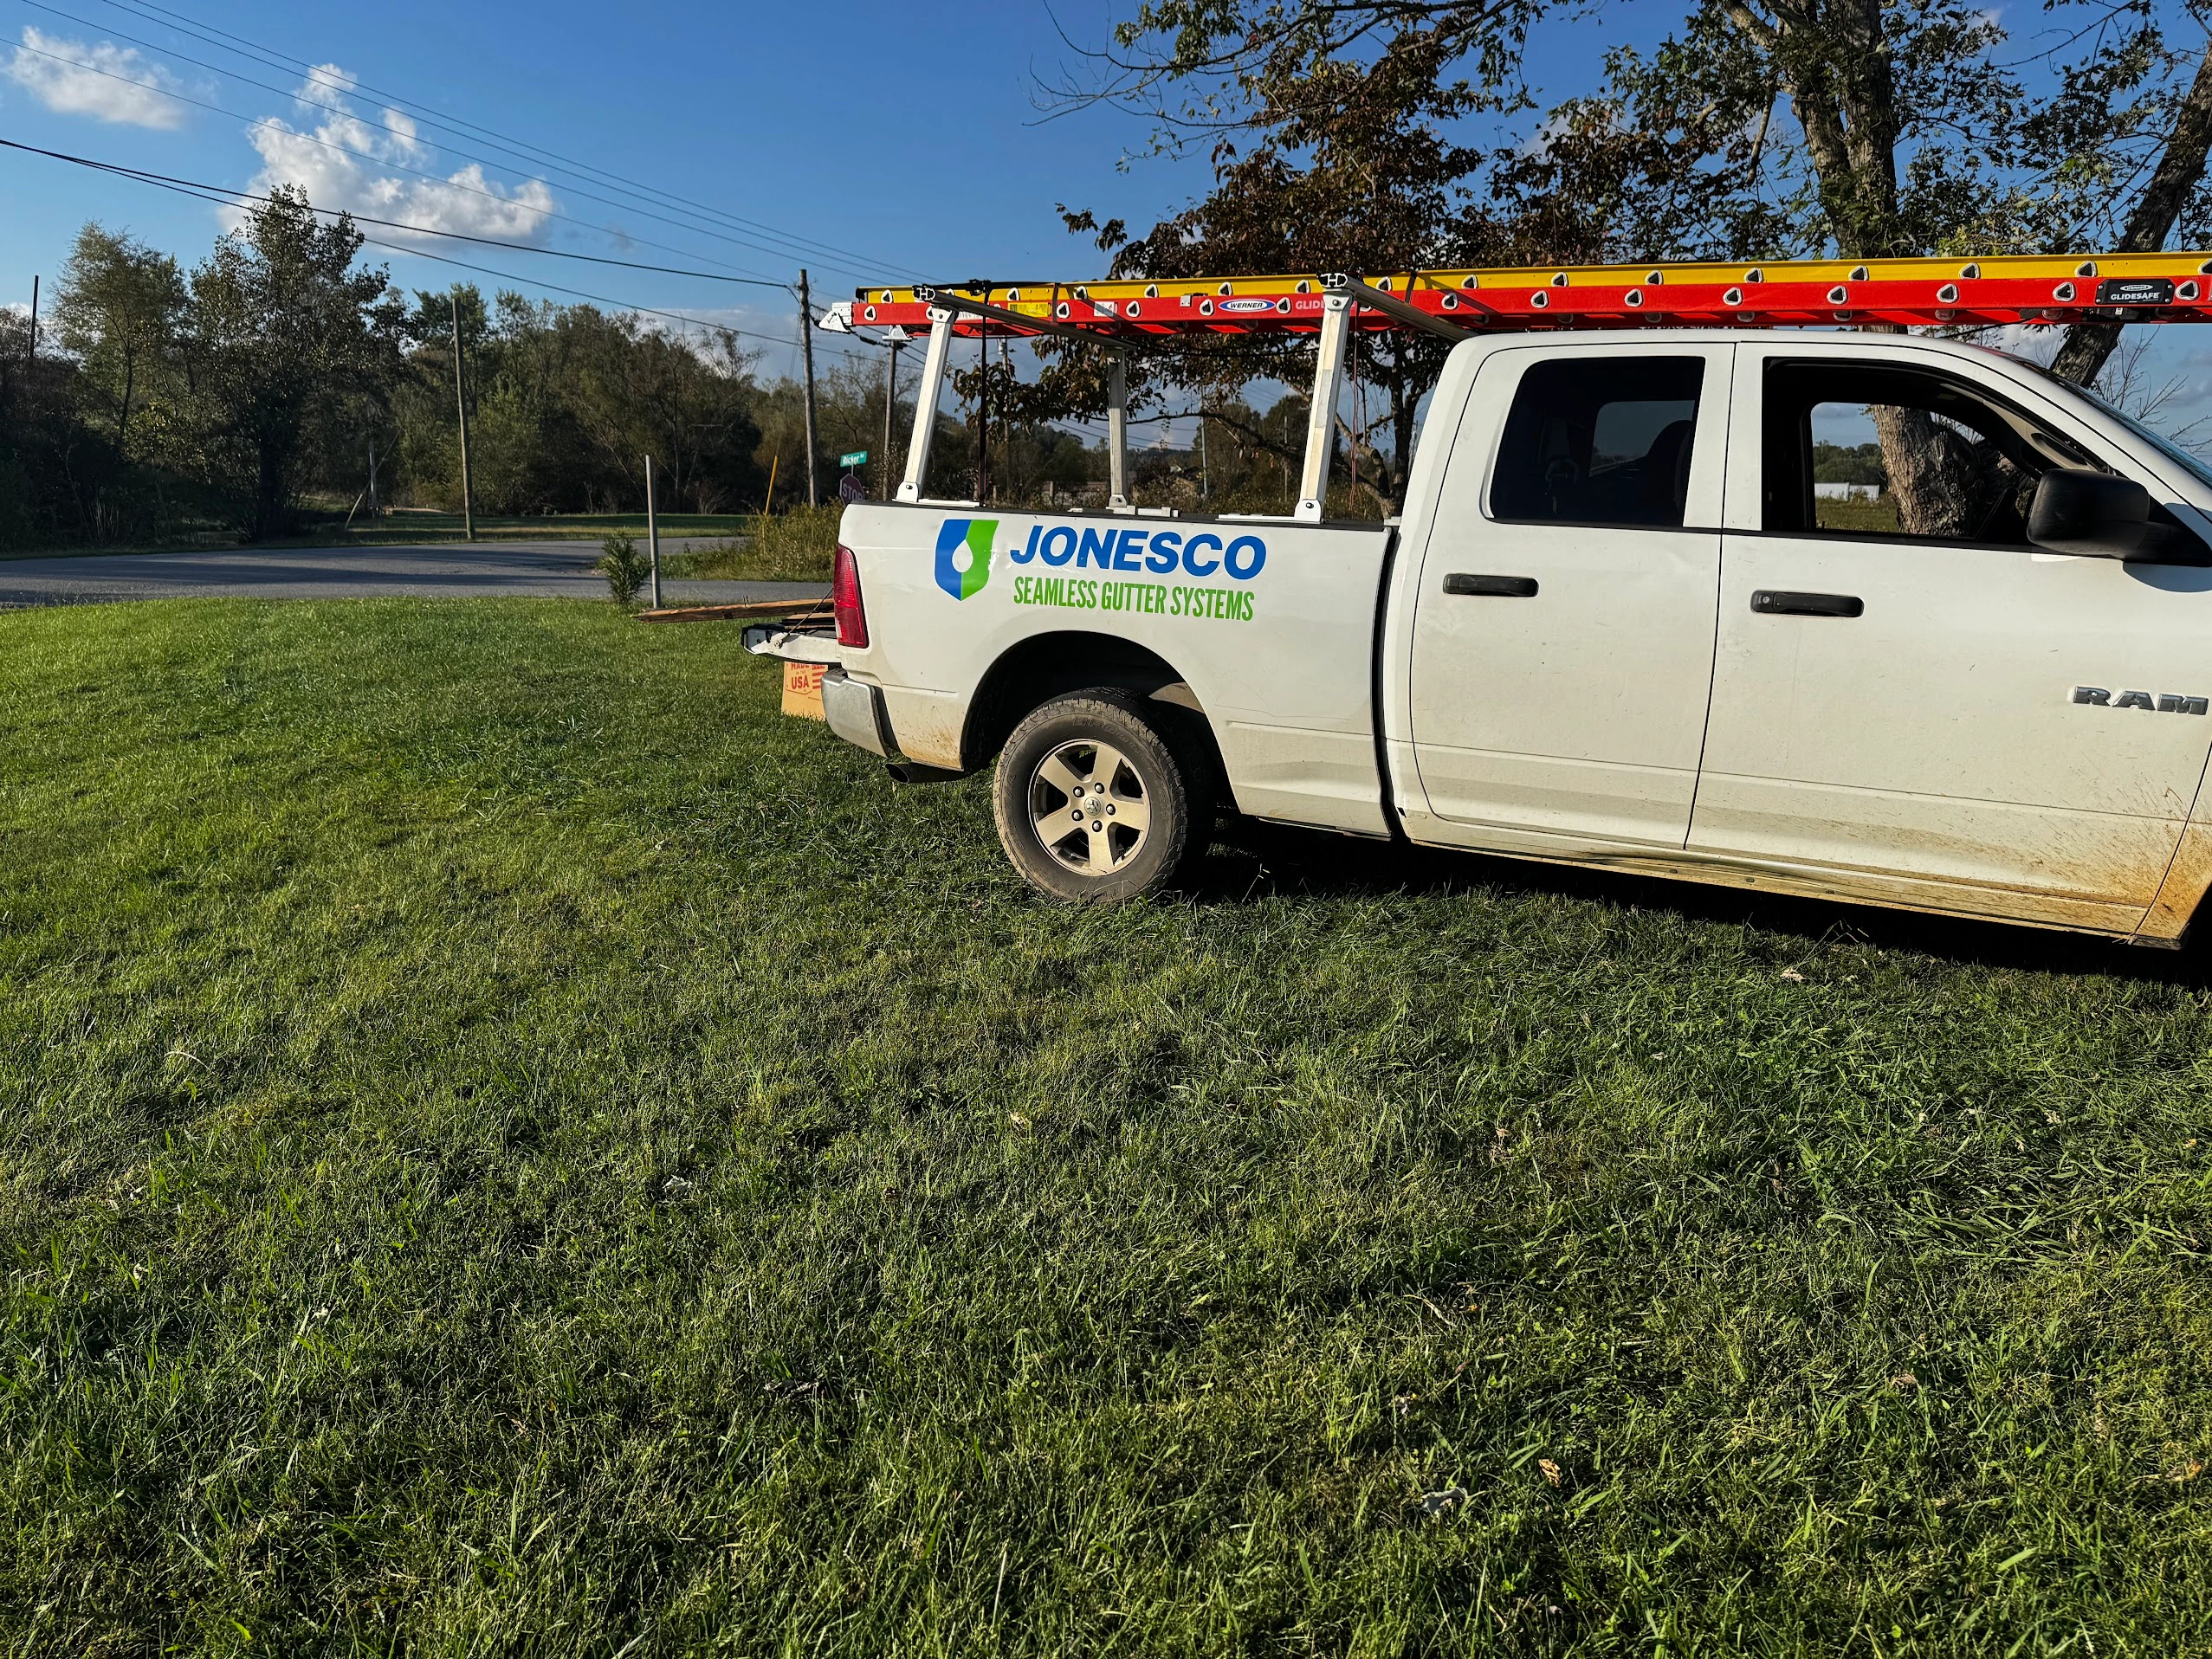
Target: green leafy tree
{"type": "Point", "coordinates": [1332, 162]}
{"type": "Point", "coordinates": [1886, 128]}
{"type": "Point", "coordinates": [1871, 128]}
{"type": "Point", "coordinates": [1759, 128]}
{"type": "Point", "coordinates": [1204, 71]}
{"type": "Point", "coordinates": [120, 311]}
{"type": "Point", "coordinates": [290, 348]}
{"type": "Point", "coordinates": [2134, 120]}
{"type": "Point", "coordinates": [566, 403]}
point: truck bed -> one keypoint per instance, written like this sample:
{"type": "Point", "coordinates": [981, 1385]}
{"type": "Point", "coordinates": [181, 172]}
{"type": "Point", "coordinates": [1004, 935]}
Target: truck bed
{"type": "Point", "coordinates": [1269, 625]}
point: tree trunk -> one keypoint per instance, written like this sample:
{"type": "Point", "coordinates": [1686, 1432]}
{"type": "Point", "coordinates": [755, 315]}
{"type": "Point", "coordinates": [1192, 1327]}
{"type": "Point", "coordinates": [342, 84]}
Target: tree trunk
{"type": "Point", "coordinates": [130, 384]}
{"type": "Point", "coordinates": [267, 490]}
{"type": "Point", "coordinates": [1931, 482]}
{"type": "Point", "coordinates": [1836, 69]}
{"type": "Point", "coordinates": [2088, 345]}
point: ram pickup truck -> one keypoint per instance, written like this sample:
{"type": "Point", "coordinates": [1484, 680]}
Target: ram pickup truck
{"type": "Point", "coordinates": [1622, 622]}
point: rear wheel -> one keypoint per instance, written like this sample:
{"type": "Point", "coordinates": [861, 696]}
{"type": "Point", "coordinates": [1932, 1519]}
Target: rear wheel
{"type": "Point", "coordinates": [1099, 799]}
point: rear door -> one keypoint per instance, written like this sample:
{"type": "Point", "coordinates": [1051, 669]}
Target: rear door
{"type": "Point", "coordinates": [1562, 631]}
{"type": "Point", "coordinates": [1912, 700]}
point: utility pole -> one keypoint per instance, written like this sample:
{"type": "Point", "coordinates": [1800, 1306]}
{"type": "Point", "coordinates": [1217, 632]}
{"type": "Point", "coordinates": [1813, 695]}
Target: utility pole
{"type": "Point", "coordinates": [891, 402]}
{"type": "Point", "coordinates": [373, 475]}
{"type": "Point", "coordinates": [461, 400]}
{"type": "Point", "coordinates": [31, 355]}
{"type": "Point", "coordinates": [653, 532]}
{"type": "Point", "coordinates": [806, 351]}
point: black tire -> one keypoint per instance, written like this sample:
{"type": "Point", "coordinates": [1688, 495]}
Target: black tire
{"type": "Point", "coordinates": [1129, 781]}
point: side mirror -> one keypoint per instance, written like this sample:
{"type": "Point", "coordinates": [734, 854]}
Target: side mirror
{"type": "Point", "coordinates": [2077, 511]}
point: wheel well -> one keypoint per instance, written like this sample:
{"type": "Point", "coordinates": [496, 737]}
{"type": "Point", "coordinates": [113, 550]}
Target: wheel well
{"type": "Point", "coordinates": [1047, 665]}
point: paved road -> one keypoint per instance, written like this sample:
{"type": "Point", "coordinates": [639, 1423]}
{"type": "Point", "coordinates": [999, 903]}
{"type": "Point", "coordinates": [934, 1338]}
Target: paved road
{"type": "Point", "coordinates": [543, 569]}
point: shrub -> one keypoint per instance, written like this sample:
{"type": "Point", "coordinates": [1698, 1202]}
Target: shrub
{"type": "Point", "coordinates": [794, 546]}
{"type": "Point", "coordinates": [625, 569]}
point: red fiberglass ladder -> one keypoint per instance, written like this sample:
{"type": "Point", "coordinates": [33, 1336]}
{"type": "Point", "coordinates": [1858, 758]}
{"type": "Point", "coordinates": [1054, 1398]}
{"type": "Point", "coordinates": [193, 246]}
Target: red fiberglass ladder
{"type": "Point", "coordinates": [1127, 316]}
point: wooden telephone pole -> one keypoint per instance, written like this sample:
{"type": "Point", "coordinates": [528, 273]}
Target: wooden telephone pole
{"type": "Point", "coordinates": [806, 351]}
{"type": "Point", "coordinates": [461, 399]}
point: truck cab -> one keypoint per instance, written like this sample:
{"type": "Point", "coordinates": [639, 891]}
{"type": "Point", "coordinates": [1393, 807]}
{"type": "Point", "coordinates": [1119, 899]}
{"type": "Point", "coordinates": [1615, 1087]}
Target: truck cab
{"type": "Point", "coordinates": [1684, 650]}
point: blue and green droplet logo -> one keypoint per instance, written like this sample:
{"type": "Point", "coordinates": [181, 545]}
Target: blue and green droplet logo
{"type": "Point", "coordinates": [964, 555]}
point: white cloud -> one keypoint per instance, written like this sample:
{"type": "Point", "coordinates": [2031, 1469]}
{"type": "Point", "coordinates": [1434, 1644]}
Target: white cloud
{"type": "Point", "coordinates": [107, 83]}
{"type": "Point", "coordinates": [345, 161]}
{"type": "Point", "coordinates": [329, 80]}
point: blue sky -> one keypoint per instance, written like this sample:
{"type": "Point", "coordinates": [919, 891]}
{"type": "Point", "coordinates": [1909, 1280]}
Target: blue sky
{"type": "Point", "coordinates": [915, 148]}
{"type": "Point", "coordinates": [909, 142]}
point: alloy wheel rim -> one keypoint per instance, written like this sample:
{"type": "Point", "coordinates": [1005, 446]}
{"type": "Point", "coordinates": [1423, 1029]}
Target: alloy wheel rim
{"type": "Point", "coordinates": [1088, 807]}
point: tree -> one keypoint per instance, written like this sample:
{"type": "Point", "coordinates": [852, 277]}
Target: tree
{"type": "Point", "coordinates": [1335, 163]}
{"type": "Point", "coordinates": [566, 403]}
{"type": "Point", "coordinates": [635, 392]}
{"type": "Point", "coordinates": [1764, 128]}
{"type": "Point", "coordinates": [41, 493]}
{"type": "Point", "coordinates": [2179, 125]}
{"type": "Point", "coordinates": [1901, 128]}
{"type": "Point", "coordinates": [1201, 70]}
{"type": "Point", "coordinates": [287, 340]}
{"type": "Point", "coordinates": [118, 310]}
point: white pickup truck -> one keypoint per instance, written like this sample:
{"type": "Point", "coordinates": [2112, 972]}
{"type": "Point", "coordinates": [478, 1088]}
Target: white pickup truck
{"type": "Point", "coordinates": [1618, 625]}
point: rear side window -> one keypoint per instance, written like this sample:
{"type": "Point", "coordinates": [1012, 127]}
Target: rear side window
{"type": "Point", "coordinates": [1599, 440]}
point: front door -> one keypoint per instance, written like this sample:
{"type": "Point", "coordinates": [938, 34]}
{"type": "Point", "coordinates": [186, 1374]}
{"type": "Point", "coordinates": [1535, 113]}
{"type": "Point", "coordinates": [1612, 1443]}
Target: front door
{"type": "Point", "coordinates": [1563, 636]}
{"type": "Point", "coordinates": [1909, 698]}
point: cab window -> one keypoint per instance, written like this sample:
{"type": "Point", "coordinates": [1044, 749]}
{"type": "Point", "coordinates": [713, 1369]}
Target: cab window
{"type": "Point", "coordinates": [1874, 449]}
{"type": "Point", "coordinates": [1599, 440]}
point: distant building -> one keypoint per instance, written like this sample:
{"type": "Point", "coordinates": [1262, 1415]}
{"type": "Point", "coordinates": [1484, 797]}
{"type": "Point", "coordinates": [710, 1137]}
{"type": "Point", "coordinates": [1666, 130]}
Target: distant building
{"type": "Point", "coordinates": [1847, 492]}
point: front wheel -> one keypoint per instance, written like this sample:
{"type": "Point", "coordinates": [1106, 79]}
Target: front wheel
{"type": "Point", "coordinates": [1099, 800]}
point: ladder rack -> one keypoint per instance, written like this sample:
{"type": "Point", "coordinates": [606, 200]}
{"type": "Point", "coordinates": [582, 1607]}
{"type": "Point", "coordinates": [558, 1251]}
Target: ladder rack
{"type": "Point", "coordinates": [1135, 314]}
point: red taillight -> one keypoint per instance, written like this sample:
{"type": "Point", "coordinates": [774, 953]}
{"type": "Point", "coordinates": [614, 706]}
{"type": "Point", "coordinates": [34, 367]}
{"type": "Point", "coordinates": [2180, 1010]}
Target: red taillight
{"type": "Point", "coordinates": [844, 601]}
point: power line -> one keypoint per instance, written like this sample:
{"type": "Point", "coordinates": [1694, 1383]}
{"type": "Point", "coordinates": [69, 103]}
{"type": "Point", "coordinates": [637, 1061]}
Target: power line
{"type": "Point", "coordinates": [363, 155]}
{"type": "Point", "coordinates": [260, 52]}
{"type": "Point", "coordinates": [797, 246]}
{"type": "Point", "coordinates": [216, 192]}
{"type": "Point", "coordinates": [218, 198]}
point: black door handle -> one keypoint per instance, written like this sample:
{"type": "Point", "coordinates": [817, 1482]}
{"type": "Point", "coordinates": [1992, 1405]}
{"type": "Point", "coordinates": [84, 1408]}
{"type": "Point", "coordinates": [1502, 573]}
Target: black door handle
{"type": "Point", "coordinates": [1780, 601]}
{"type": "Point", "coordinates": [1494, 587]}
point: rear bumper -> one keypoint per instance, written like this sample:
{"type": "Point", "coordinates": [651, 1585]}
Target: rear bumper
{"type": "Point", "coordinates": [854, 708]}
{"type": "Point", "coordinates": [856, 712]}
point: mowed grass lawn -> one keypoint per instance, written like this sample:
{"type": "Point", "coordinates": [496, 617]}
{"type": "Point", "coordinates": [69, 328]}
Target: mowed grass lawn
{"type": "Point", "coordinates": [509, 1145]}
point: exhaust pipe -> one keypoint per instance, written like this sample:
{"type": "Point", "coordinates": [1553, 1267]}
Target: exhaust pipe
{"type": "Point", "coordinates": [913, 772]}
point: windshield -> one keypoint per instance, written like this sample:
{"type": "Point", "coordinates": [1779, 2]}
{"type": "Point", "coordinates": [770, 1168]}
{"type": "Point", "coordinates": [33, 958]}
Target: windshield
{"type": "Point", "coordinates": [2196, 465]}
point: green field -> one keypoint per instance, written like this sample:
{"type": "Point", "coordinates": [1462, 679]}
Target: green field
{"type": "Point", "coordinates": [507, 1145]}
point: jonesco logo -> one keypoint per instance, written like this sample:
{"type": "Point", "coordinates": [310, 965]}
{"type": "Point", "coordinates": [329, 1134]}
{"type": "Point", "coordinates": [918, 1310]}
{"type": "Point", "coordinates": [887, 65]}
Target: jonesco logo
{"type": "Point", "coordinates": [1200, 555]}
{"type": "Point", "coordinates": [964, 556]}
